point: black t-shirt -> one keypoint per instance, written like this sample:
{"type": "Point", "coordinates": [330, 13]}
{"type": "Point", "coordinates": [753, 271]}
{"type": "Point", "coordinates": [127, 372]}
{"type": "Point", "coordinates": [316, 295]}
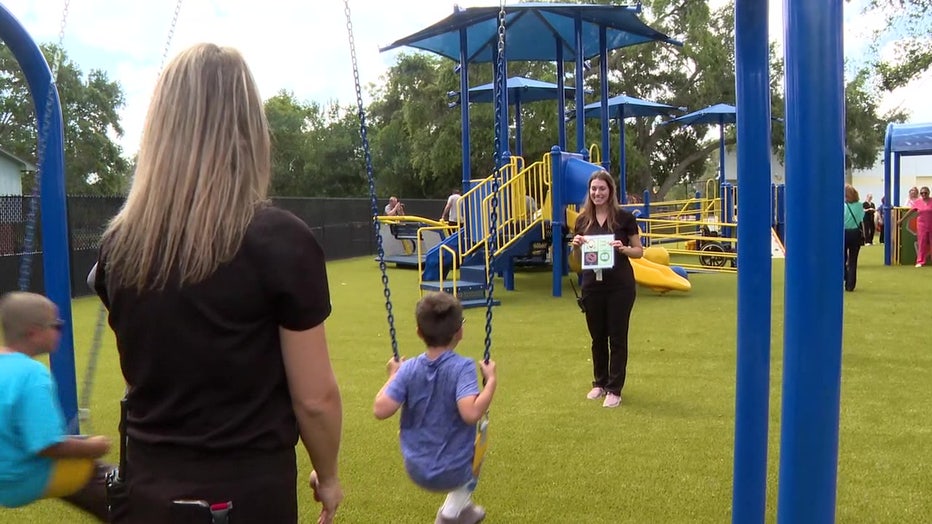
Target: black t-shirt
{"type": "Point", "coordinates": [621, 274]}
{"type": "Point", "coordinates": [203, 362]}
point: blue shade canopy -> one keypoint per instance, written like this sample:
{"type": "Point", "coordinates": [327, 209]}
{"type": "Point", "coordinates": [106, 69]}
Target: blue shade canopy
{"type": "Point", "coordinates": [915, 139]}
{"type": "Point", "coordinates": [520, 88]}
{"type": "Point", "coordinates": [527, 27]}
{"type": "Point", "coordinates": [623, 106]}
{"type": "Point", "coordinates": [717, 114]}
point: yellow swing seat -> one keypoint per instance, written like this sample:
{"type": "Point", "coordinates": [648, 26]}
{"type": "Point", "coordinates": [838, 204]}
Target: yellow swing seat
{"type": "Point", "coordinates": [68, 476]}
{"type": "Point", "coordinates": [481, 446]}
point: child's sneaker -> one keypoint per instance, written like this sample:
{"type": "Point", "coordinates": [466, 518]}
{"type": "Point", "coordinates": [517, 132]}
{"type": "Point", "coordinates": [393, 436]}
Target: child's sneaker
{"type": "Point", "coordinates": [595, 393]}
{"type": "Point", "coordinates": [471, 514]}
{"type": "Point", "coordinates": [611, 401]}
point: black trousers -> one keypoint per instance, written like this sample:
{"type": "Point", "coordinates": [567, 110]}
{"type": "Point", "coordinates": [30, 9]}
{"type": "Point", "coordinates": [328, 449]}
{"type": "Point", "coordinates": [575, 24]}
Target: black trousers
{"type": "Point", "coordinates": [607, 314]}
{"type": "Point", "coordinates": [261, 485]}
{"type": "Point", "coordinates": [869, 228]}
{"type": "Point", "coordinates": [852, 248]}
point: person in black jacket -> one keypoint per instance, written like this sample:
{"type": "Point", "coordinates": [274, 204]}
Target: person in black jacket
{"type": "Point", "coordinates": [608, 294]}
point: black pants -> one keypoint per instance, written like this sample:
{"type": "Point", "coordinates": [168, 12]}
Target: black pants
{"type": "Point", "coordinates": [261, 485]}
{"type": "Point", "coordinates": [607, 314]}
{"type": "Point", "coordinates": [92, 498]}
{"type": "Point", "coordinates": [852, 247]}
{"type": "Point", "coordinates": [869, 228]}
{"type": "Point", "coordinates": [880, 232]}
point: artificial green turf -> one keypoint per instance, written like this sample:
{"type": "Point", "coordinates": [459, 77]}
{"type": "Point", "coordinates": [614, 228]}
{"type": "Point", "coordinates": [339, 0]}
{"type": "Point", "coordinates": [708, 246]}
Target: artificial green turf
{"type": "Point", "coordinates": [665, 455]}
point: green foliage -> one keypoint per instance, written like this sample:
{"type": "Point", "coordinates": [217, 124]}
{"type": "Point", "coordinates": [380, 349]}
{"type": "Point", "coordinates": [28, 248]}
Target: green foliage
{"type": "Point", "coordinates": [906, 30]}
{"type": "Point", "coordinates": [94, 163]}
{"type": "Point", "coordinates": [864, 129]}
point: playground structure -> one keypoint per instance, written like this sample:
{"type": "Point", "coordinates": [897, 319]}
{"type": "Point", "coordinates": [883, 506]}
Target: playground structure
{"type": "Point", "coordinates": [812, 354]}
{"type": "Point", "coordinates": [900, 140]}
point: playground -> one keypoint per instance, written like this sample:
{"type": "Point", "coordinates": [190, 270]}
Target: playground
{"type": "Point", "coordinates": [665, 457]}
{"type": "Point", "coordinates": [677, 452]}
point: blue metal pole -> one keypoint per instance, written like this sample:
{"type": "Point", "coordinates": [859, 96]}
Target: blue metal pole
{"type": "Point", "coordinates": [580, 100]}
{"type": "Point", "coordinates": [603, 85]}
{"type": "Point", "coordinates": [721, 149]}
{"type": "Point", "coordinates": [622, 168]}
{"type": "Point", "coordinates": [896, 178]}
{"type": "Point", "coordinates": [53, 205]}
{"type": "Point", "coordinates": [561, 100]}
{"type": "Point", "coordinates": [885, 205]}
{"type": "Point", "coordinates": [558, 214]}
{"type": "Point", "coordinates": [721, 167]}
{"type": "Point", "coordinates": [752, 381]}
{"type": "Point", "coordinates": [464, 109]}
{"type": "Point", "coordinates": [815, 176]}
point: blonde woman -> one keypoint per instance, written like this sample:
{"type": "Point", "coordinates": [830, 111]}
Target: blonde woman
{"type": "Point", "coordinates": [608, 294]}
{"type": "Point", "coordinates": [218, 304]}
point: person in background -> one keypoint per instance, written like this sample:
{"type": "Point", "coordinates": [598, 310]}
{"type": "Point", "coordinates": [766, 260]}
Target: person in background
{"type": "Point", "coordinates": [913, 196]}
{"type": "Point", "coordinates": [879, 220]}
{"type": "Point", "coordinates": [854, 235]}
{"type": "Point", "coordinates": [217, 300]}
{"type": "Point", "coordinates": [922, 207]}
{"type": "Point", "coordinates": [394, 208]}
{"type": "Point", "coordinates": [608, 294]}
{"type": "Point", "coordinates": [451, 211]}
{"type": "Point", "coordinates": [870, 210]}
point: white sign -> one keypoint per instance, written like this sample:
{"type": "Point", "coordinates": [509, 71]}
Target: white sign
{"type": "Point", "coordinates": [597, 252]}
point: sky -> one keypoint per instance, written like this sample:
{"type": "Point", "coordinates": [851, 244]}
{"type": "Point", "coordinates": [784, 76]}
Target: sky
{"type": "Point", "coordinates": [301, 47]}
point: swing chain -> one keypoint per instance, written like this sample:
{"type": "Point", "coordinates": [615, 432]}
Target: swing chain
{"type": "Point", "coordinates": [171, 35]}
{"type": "Point", "coordinates": [492, 245]}
{"type": "Point", "coordinates": [376, 225]}
{"type": "Point", "coordinates": [32, 214]}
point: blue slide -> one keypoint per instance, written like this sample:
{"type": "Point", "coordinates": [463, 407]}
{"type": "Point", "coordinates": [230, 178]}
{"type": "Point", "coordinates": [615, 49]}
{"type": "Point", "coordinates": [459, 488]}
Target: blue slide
{"type": "Point", "coordinates": [432, 258]}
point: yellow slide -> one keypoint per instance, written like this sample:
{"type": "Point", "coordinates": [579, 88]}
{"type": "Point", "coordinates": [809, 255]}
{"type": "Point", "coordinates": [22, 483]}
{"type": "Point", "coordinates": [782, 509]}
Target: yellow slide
{"type": "Point", "coordinates": [658, 276]}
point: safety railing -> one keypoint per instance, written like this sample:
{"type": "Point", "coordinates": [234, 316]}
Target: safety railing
{"type": "Point", "coordinates": [474, 215]}
{"type": "Point", "coordinates": [519, 201]}
{"type": "Point", "coordinates": [703, 248]}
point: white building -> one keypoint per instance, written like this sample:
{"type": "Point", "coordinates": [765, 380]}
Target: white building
{"type": "Point", "coordinates": [914, 171]}
{"type": "Point", "coordinates": [11, 173]}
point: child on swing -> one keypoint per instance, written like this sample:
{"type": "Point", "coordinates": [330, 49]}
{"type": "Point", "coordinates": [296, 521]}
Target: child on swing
{"type": "Point", "coordinates": [34, 446]}
{"type": "Point", "coordinates": [440, 402]}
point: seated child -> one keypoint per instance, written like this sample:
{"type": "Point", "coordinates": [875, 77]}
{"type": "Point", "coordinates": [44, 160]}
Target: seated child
{"type": "Point", "coordinates": [440, 405]}
{"type": "Point", "coordinates": [34, 446]}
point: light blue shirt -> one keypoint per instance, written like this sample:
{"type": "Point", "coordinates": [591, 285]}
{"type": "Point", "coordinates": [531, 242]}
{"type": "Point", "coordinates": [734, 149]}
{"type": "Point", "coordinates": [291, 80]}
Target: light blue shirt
{"type": "Point", "coordinates": [30, 421]}
{"type": "Point", "coordinates": [854, 215]}
{"type": "Point", "coordinates": [437, 445]}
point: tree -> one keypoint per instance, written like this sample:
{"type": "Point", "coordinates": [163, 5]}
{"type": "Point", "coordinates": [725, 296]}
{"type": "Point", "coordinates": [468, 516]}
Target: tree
{"type": "Point", "coordinates": [94, 163]}
{"type": "Point", "coordinates": [903, 46]}
{"type": "Point", "coordinates": [864, 128]}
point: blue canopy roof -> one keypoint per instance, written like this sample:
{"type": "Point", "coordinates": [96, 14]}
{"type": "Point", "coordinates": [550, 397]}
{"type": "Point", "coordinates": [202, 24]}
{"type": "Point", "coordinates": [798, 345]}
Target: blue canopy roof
{"type": "Point", "coordinates": [623, 106]}
{"type": "Point", "coordinates": [527, 27]}
{"type": "Point", "coordinates": [520, 88]}
{"type": "Point", "coordinates": [915, 139]}
{"type": "Point", "coordinates": [717, 114]}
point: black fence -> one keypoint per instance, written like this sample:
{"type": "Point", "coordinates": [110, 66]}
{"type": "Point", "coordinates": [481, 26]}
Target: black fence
{"type": "Point", "coordinates": [341, 225]}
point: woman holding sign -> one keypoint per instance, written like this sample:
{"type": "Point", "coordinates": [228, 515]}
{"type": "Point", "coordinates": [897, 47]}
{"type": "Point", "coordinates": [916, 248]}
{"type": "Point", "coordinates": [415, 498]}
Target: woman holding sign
{"type": "Point", "coordinates": [607, 237]}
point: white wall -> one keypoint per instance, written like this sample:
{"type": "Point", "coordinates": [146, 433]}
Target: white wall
{"type": "Point", "coordinates": [11, 177]}
{"type": "Point", "coordinates": [914, 171]}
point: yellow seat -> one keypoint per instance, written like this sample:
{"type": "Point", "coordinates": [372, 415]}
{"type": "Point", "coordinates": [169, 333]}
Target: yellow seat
{"type": "Point", "coordinates": [68, 476]}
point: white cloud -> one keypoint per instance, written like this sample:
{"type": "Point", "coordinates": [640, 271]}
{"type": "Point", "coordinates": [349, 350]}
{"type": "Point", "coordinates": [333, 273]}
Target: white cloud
{"type": "Point", "coordinates": [298, 46]}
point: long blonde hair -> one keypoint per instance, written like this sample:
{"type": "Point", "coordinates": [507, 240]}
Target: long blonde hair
{"type": "Point", "coordinates": [587, 216]}
{"type": "Point", "coordinates": [203, 169]}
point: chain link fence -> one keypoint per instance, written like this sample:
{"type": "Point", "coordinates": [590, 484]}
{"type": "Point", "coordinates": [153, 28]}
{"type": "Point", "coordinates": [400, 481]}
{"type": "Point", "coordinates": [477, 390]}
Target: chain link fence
{"type": "Point", "coordinates": [341, 225]}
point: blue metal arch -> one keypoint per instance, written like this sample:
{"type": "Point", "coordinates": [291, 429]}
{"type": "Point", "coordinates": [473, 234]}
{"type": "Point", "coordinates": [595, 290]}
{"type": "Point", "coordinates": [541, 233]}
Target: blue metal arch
{"type": "Point", "coordinates": [56, 255]}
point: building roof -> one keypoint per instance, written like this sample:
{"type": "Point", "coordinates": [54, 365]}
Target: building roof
{"type": "Point", "coordinates": [26, 165]}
